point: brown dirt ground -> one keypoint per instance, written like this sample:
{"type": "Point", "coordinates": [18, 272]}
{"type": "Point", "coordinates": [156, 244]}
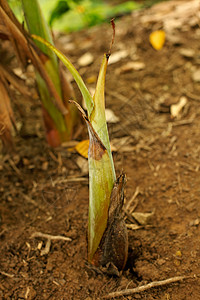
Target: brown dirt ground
{"type": "Point", "coordinates": [43, 189]}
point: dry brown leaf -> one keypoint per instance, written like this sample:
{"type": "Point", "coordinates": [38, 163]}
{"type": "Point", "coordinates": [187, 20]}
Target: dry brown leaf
{"type": "Point", "coordinates": [6, 118]}
{"type": "Point", "coordinates": [142, 218]}
{"type": "Point", "coordinates": [14, 29]}
{"type": "Point", "coordinates": [15, 80]}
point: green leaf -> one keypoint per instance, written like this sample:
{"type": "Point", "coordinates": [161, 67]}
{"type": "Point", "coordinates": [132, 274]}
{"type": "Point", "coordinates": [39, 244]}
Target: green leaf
{"type": "Point", "coordinates": [98, 116]}
{"type": "Point", "coordinates": [85, 93]}
{"type": "Point", "coordinates": [37, 25]}
{"type": "Point", "coordinates": [55, 114]}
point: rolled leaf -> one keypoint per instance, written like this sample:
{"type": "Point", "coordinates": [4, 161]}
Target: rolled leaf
{"type": "Point", "coordinates": [101, 167]}
{"type": "Point", "coordinates": [101, 180]}
{"type": "Point", "coordinates": [98, 116]}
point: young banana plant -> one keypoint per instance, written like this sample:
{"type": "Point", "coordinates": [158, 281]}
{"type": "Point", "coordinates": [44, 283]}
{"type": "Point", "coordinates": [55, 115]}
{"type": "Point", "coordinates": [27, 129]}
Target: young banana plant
{"type": "Point", "coordinates": [107, 235]}
{"type": "Point", "coordinates": [59, 117]}
{"type": "Point", "coordinates": [59, 126]}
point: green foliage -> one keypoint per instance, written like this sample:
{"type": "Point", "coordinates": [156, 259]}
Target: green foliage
{"type": "Point", "coordinates": [87, 13]}
{"type": "Point", "coordinates": [37, 24]}
{"type": "Point", "coordinates": [73, 15]}
{"type": "Point", "coordinates": [85, 93]}
{"type": "Point", "coordinates": [61, 7]}
{"type": "Point", "coordinates": [16, 7]}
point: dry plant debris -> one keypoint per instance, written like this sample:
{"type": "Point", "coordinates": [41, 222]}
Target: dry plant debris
{"type": "Point", "coordinates": [143, 288]}
{"type": "Point", "coordinates": [49, 239]}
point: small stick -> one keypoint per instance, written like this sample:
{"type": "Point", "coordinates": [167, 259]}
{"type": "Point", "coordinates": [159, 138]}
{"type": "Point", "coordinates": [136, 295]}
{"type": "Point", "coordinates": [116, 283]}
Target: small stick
{"type": "Point", "coordinates": [47, 248]}
{"type": "Point", "coordinates": [79, 107]}
{"type": "Point", "coordinates": [145, 287]}
{"type": "Point", "coordinates": [2, 232]}
{"type": "Point", "coordinates": [13, 165]}
{"type": "Point", "coordinates": [179, 183]}
{"type": "Point", "coordinates": [119, 96]}
{"type": "Point", "coordinates": [49, 239]}
{"type": "Point", "coordinates": [133, 226]}
{"type": "Point", "coordinates": [113, 36]}
{"type": "Point", "coordinates": [29, 200]}
{"type": "Point", "coordinates": [183, 122]}
{"type": "Point", "coordinates": [71, 179]}
{"type": "Point", "coordinates": [2, 129]}
{"type": "Point", "coordinates": [27, 292]}
{"type": "Point", "coordinates": [6, 274]}
{"type": "Point", "coordinates": [137, 191]}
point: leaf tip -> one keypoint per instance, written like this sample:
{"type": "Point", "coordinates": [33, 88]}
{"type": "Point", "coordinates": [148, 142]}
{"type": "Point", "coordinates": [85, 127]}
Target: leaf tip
{"type": "Point", "coordinates": [112, 21]}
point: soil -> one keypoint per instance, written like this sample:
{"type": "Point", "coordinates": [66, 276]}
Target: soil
{"type": "Point", "coordinates": [44, 189]}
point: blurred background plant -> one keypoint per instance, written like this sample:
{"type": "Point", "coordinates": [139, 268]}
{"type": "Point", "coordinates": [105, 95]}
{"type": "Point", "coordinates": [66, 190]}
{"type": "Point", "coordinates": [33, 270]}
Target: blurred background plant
{"type": "Point", "coordinates": [53, 86]}
{"type": "Point", "coordinates": [73, 15]}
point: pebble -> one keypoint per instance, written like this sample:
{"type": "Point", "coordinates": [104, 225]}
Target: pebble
{"type": "Point", "coordinates": [194, 222]}
{"type": "Point", "coordinates": [85, 60]}
{"type": "Point", "coordinates": [187, 52]}
{"type": "Point", "coordinates": [49, 266]}
{"type": "Point", "coordinates": [196, 75]}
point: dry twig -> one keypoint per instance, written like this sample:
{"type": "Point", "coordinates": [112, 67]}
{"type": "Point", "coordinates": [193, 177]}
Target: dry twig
{"type": "Point", "coordinates": [6, 274]}
{"type": "Point", "coordinates": [137, 227]}
{"type": "Point", "coordinates": [49, 239]}
{"type": "Point", "coordinates": [145, 287]}
{"type": "Point", "coordinates": [13, 165]}
{"type": "Point", "coordinates": [137, 191]}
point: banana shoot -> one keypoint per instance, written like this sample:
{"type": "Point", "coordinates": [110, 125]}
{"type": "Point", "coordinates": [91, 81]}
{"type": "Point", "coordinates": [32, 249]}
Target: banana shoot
{"type": "Point", "coordinates": [106, 227]}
